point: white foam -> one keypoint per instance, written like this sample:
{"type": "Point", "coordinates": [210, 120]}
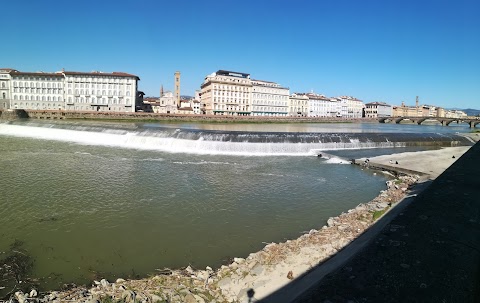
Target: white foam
{"type": "Point", "coordinates": [335, 160]}
{"type": "Point", "coordinates": [137, 140]}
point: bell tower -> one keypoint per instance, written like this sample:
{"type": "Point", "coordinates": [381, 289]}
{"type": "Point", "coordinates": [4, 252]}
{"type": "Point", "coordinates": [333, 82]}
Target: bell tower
{"type": "Point", "coordinates": [177, 88]}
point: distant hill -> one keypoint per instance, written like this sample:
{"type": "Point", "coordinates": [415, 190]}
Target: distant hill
{"type": "Point", "coordinates": [468, 111]}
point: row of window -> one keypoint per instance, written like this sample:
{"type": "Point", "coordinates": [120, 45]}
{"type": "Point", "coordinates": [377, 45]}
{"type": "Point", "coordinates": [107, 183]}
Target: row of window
{"type": "Point", "coordinates": [231, 88]}
{"type": "Point", "coordinates": [233, 94]}
{"type": "Point", "coordinates": [98, 79]}
{"type": "Point", "coordinates": [230, 107]}
{"type": "Point", "coordinates": [100, 109]}
{"type": "Point", "coordinates": [37, 105]}
{"type": "Point", "coordinates": [99, 85]}
{"type": "Point", "coordinates": [37, 84]}
{"type": "Point", "coordinates": [99, 92]}
{"type": "Point", "coordinates": [268, 109]}
{"type": "Point", "coordinates": [232, 80]}
{"type": "Point", "coordinates": [271, 97]}
{"type": "Point", "coordinates": [303, 103]}
{"type": "Point", "coordinates": [269, 114]}
{"type": "Point", "coordinates": [37, 98]}
{"type": "Point", "coordinates": [276, 103]}
{"type": "Point", "coordinates": [94, 100]}
{"type": "Point", "coordinates": [271, 91]}
{"type": "Point", "coordinates": [227, 100]}
{"type": "Point", "coordinates": [38, 90]}
{"type": "Point", "coordinates": [31, 78]}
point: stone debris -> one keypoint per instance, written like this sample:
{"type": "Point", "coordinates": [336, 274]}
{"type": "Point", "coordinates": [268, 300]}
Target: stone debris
{"type": "Point", "coordinates": [264, 271]}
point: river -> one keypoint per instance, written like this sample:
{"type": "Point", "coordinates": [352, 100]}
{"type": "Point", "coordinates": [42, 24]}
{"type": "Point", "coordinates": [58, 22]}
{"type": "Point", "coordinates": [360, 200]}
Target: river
{"type": "Point", "coordinates": [86, 200]}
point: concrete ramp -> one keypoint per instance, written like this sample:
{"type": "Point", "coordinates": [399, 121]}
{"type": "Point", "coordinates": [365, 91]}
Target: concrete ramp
{"type": "Point", "coordinates": [428, 253]}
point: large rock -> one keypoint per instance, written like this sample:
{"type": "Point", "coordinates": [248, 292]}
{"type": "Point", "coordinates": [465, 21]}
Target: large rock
{"type": "Point", "coordinates": [20, 297]}
{"type": "Point", "coordinates": [224, 282]}
{"type": "Point", "coordinates": [189, 298]}
{"type": "Point", "coordinates": [128, 296]}
{"type": "Point", "coordinates": [330, 222]}
{"type": "Point", "coordinates": [156, 299]}
{"type": "Point", "coordinates": [257, 270]}
{"type": "Point", "coordinates": [33, 293]}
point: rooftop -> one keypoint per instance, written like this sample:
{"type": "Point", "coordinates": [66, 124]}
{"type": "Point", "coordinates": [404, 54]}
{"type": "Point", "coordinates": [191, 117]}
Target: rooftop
{"type": "Point", "coordinates": [15, 72]}
{"type": "Point", "coordinates": [232, 73]}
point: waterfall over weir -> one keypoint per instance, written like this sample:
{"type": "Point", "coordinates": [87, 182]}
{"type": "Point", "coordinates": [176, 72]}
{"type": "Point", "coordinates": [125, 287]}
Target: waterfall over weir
{"type": "Point", "coordinates": [175, 140]}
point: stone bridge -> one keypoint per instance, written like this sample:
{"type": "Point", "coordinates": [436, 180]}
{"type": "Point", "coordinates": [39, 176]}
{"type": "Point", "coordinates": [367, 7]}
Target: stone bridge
{"type": "Point", "coordinates": [420, 120]}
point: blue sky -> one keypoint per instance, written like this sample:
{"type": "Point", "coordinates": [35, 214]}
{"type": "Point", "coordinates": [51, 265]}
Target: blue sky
{"type": "Point", "coordinates": [379, 50]}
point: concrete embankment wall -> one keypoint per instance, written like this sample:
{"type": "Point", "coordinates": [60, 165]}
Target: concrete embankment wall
{"type": "Point", "coordinates": [141, 116]}
{"type": "Point", "coordinates": [13, 114]}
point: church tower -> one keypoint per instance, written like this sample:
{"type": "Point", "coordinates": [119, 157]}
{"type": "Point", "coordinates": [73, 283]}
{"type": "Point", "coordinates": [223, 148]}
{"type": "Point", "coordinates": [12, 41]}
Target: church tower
{"type": "Point", "coordinates": [177, 88]}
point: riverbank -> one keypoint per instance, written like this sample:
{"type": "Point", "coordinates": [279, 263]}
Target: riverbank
{"type": "Point", "coordinates": [264, 271]}
{"type": "Point", "coordinates": [429, 253]}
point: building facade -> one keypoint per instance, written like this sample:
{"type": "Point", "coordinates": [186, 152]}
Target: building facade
{"type": "Point", "coordinates": [269, 99]}
{"type": "Point", "coordinates": [322, 106]}
{"type": "Point", "coordinates": [298, 105]}
{"type": "Point", "coordinates": [75, 91]}
{"type": "Point", "coordinates": [226, 93]}
{"type": "Point", "coordinates": [378, 110]}
{"type": "Point", "coordinates": [351, 107]}
{"type": "Point", "coordinates": [235, 93]}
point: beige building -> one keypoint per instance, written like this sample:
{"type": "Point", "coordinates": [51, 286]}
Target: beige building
{"type": "Point", "coordinates": [298, 105]}
{"type": "Point", "coordinates": [226, 93]}
{"type": "Point", "coordinates": [408, 111]}
{"type": "Point", "coordinates": [419, 111]}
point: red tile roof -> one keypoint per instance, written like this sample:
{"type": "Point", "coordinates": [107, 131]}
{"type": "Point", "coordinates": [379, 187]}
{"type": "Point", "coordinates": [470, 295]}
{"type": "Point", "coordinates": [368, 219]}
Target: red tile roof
{"type": "Point", "coordinates": [113, 74]}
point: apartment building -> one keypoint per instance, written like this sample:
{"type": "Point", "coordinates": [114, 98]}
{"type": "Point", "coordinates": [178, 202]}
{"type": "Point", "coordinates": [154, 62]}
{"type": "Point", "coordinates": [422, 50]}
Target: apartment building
{"type": "Point", "coordinates": [68, 90]}
{"type": "Point", "coordinates": [322, 106]}
{"type": "Point", "coordinates": [226, 93]}
{"type": "Point", "coordinates": [235, 93]}
{"type": "Point", "coordinates": [298, 105]}
{"type": "Point", "coordinates": [351, 107]}
{"type": "Point", "coordinates": [378, 110]}
{"type": "Point", "coordinates": [269, 99]}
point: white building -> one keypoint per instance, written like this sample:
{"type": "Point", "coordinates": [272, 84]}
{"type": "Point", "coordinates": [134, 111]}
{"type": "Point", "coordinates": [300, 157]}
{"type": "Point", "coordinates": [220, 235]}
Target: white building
{"type": "Point", "coordinates": [167, 104]}
{"type": "Point", "coordinates": [457, 114]}
{"type": "Point", "coordinates": [269, 99]}
{"type": "Point", "coordinates": [378, 110]}
{"type": "Point", "coordinates": [351, 107]}
{"type": "Point", "coordinates": [76, 91]}
{"type": "Point", "coordinates": [322, 106]}
{"type": "Point", "coordinates": [298, 105]}
{"type": "Point", "coordinates": [189, 107]}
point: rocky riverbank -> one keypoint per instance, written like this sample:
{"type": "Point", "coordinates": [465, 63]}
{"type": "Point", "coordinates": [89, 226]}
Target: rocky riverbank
{"type": "Point", "coordinates": [253, 277]}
